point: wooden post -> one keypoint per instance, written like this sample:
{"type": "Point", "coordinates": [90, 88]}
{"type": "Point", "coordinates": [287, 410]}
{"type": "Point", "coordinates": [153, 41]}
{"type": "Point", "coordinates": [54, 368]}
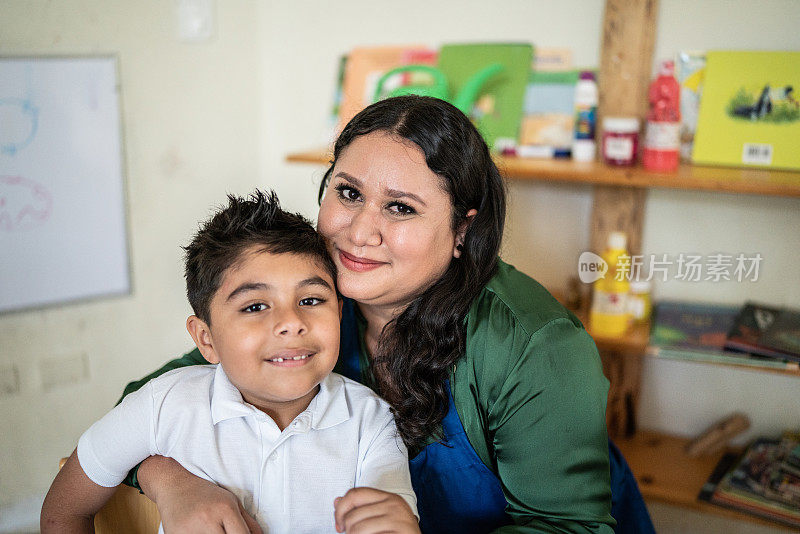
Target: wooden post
{"type": "Point", "coordinates": [629, 30]}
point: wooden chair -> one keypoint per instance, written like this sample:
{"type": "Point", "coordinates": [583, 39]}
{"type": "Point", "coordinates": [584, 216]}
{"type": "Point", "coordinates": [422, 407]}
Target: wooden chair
{"type": "Point", "coordinates": [127, 512]}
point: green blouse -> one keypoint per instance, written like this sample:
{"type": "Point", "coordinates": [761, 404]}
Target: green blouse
{"type": "Point", "coordinates": [531, 395]}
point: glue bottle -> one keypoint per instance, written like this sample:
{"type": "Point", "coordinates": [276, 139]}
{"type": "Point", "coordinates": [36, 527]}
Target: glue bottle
{"type": "Point", "coordinates": [583, 147]}
{"type": "Point", "coordinates": [610, 314]}
{"type": "Point", "coordinates": [661, 148]}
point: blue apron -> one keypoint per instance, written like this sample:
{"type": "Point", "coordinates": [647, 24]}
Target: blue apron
{"type": "Point", "coordinates": [455, 490]}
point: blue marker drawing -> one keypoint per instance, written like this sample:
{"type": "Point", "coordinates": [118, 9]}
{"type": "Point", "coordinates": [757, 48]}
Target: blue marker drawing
{"type": "Point", "coordinates": [19, 121]}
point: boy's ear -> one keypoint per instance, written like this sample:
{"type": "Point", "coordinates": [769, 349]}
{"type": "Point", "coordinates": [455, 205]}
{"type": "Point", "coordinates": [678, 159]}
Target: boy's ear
{"type": "Point", "coordinates": [201, 334]}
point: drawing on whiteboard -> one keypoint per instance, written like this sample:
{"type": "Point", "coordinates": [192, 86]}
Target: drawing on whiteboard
{"type": "Point", "coordinates": [19, 119]}
{"type": "Point", "coordinates": [24, 204]}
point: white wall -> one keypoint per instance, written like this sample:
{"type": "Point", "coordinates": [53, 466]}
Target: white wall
{"type": "Point", "coordinates": [203, 119]}
{"type": "Point", "coordinates": [191, 115]}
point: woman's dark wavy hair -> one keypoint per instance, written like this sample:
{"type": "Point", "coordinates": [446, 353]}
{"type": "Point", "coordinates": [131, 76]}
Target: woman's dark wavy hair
{"type": "Point", "coordinates": [418, 348]}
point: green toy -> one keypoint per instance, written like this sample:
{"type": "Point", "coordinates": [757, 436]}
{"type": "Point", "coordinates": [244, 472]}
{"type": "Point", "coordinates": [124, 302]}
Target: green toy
{"type": "Point", "coordinates": [464, 100]}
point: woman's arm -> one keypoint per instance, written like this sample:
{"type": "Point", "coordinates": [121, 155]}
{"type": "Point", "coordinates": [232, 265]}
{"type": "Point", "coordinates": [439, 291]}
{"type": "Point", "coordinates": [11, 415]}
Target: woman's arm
{"type": "Point", "coordinates": [558, 435]}
{"type": "Point", "coordinates": [546, 419]}
{"type": "Point", "coordinates": [188, 503]}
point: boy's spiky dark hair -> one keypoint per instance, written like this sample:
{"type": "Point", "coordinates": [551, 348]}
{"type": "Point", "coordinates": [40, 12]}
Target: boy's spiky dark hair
{"type": "Point", "coordinates": [244, 223]}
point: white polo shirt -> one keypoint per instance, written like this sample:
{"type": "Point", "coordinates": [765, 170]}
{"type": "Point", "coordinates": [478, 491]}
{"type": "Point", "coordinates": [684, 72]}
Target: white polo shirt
{"type": "Point", "coordinates": [286, 480]}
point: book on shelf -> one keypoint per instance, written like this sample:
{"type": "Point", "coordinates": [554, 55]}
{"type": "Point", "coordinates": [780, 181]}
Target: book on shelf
{"type": "Point", "coordinates": [363, 68]}
{"type": "Point", "coordinates": [749, 111]}
{"type": "Point", "coordinates": [766, 331]}
{"type": "Point", "coordinates": [690, 69]}
{"type": "Point", "coordinates": [498, 110]}
{"type": "Point", "coordinates": [548, 114]}
{"type": "Point", "coordinates": [698, 332]}
{"type": "Point", "coordinates": [762, 481]}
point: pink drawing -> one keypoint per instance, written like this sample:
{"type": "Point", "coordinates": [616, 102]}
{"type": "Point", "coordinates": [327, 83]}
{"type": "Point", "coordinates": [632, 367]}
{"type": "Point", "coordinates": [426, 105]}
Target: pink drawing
{"type": "Point", "coordinates": [24, 204]}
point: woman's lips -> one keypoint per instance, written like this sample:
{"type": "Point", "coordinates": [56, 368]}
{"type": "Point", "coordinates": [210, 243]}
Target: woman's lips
{"type": "Point", "coordinates": [354, 263]}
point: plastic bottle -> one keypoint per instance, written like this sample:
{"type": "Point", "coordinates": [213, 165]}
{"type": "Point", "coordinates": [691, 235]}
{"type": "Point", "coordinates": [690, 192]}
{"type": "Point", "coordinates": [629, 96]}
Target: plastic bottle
{"type": "Point", "coordinates": [661, 150]}
{"type": "Point", "coordinates": [610, 315]}
{"type": "Point", "coordinates": [640, 304]}
{"type": "Point", "coordinates": [583, 146]}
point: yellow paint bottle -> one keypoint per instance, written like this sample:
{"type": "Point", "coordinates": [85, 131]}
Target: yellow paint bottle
{"type": "Point", "coordinates": [610, 315]}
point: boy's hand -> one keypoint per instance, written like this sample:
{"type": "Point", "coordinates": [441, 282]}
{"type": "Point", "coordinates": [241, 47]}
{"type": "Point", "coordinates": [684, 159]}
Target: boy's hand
{"type": "Point", "coordinates": [188, 503]}
{"type": "Point", "coordinates": [370, 510]}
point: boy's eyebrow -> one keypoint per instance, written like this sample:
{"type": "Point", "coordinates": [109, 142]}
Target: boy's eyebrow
{"type": "Point", "coordinates": [315, 281]}
{"type": "Point", "coordinates": [256, 286]}
{"type": "Point", "coordinates": [247, 286]}
{"type": "Point", "coordinates": [393, 193]}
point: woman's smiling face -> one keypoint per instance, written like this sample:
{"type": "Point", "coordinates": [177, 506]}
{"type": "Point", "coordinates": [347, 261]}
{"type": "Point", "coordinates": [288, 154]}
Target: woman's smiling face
{"type": "Point", "coordinates": [388, 220]}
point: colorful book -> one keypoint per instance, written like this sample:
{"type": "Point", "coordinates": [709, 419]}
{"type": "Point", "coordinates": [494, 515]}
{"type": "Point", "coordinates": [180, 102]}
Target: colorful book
{"type": "Point", "coordinates": [690, 71]}
{"type": "Point", "coordinates": [698, 332]}
{"type": "Point", "coordinates": [750, 110]}
{"type": "Point", "coordinates": [757, 483]}
{"type": "Point", "coordinates": [766, 331]}
{"type": "Point", "coordinates": [548, 111]}
{"type": "Point", "coordinates": [365, 66]}
{"type": "Point", "coordinates": [498, 110]}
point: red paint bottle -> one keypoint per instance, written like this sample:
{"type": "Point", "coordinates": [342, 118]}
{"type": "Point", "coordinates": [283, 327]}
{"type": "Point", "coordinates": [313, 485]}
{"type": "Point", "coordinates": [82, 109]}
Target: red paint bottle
{"type": "Point", "coordinates": [661, 147]}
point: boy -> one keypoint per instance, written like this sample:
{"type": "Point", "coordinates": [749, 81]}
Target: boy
{"type": "Point", "coordinates": [270, 423]}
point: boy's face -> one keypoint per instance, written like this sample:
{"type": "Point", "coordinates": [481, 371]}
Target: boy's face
{"type": "Point", "coordinates": [274, 328]}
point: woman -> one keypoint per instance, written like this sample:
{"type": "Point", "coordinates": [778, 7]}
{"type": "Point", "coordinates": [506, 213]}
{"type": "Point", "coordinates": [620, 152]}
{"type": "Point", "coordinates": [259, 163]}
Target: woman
{"type": "Point", "coordinates": [497, 389]}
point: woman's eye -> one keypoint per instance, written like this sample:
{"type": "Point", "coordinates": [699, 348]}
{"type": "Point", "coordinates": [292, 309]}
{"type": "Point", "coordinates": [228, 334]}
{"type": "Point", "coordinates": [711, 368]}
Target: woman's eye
{"type": "Point", "coordinates": [311, 301]}
{"type": "Point", "coordinates": [402, 209]}
{"type": "Point", "coordinates": [255, 308]}
{"type": "Point", "coordinates": [347, 193]}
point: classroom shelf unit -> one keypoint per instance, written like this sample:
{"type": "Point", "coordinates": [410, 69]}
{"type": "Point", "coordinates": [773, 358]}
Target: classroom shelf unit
{"type": "Point", "coordinates": [764, 182]}
{"type": "Point", "coordinates": [662, 468]}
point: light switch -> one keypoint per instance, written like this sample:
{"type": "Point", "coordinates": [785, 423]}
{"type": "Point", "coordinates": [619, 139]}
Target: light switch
{"type": "Point", "coordinates": [195, 19]}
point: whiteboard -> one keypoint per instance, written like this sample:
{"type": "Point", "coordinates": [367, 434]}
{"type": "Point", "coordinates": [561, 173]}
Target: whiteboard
{"type": "Point", "coordinates": [62, 207]}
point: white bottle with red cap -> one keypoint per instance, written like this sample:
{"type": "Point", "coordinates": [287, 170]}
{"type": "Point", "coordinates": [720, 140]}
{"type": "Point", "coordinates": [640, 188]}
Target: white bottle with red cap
{"type": "Point", "coordinates": [583, 146]}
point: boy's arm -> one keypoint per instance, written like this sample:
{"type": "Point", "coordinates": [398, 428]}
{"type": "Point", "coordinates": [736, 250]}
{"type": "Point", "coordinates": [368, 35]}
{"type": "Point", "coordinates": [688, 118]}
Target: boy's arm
{"type": "Point", "coordinates": [383, 499]}
{"type": "Point", "coordinates": [385, 463]}
{"type": "Point", "coordinates": [73, 500]}
{"type": "Point", "coordinates": [192, 357]}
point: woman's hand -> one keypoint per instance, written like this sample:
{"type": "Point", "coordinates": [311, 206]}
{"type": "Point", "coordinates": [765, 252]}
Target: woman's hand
{"type": "Point", "coordinates": [188, 503]}
{"type": "Point", "coordinates": [370, 510]}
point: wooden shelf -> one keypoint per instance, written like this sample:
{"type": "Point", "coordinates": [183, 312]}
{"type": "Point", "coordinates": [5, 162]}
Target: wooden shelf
{"type": "Point", "coordinates": [318, 157]}
{"type": "Point", "coordinates": [688, 177]}
{"type": "Point", "coordinates": [666, 473]}
{"type": "Point", "coordinates": [790, 369]}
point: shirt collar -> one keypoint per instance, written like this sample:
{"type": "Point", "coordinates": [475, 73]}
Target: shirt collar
{"type": "Point", "coordinates": [226, 400]}
{"type": "Point", "coordinates": [328, 408]}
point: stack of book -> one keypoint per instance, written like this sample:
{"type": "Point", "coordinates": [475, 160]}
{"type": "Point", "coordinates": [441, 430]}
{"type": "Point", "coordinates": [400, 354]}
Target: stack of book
{"type": "Point", "coordinates": [764, 481]}
{"type": "Point", "coordinates": [766, 331]}
{"type": "Point", "coordinates": [751, 335]}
